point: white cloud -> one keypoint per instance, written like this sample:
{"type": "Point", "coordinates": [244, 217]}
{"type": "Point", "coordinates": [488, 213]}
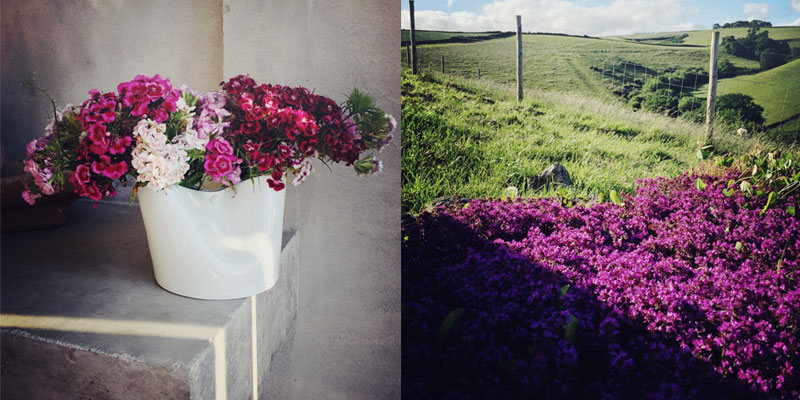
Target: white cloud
{"type": "Point", "coordinates": [449, 3]}
{"type": "Point", "coordinates": [564, 16]}
{"type": "Point", "coordinates": [796, 5]}
{"type": "Point", "coordinates": [755, 11]}
{"type": "Point", "coordinates": [795, 23]}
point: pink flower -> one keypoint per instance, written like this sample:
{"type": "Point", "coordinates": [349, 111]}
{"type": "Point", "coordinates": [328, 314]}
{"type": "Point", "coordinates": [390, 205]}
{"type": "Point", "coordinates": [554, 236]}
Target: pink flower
{"type": "Point", "coordinates": [31, 147]}
{"type": "Point", "coordinates": [220, 146]}
{"type": "Point", "coordinates": [117, 170]}
{"type": "Point", "coordinates": [140, 108]}
{"type": "Point", "coordinates": [105, 168]}
{"type": "Point", "coordinates": [30, 197]}
{"type": "Point", "coordinates": [161, 115]}
{"type": "Point", "coordinates": [92, 192]}
{"type": "Point", "coordinates": [82, 175]}
{"type": "Point", "coordinates": [120, 145]}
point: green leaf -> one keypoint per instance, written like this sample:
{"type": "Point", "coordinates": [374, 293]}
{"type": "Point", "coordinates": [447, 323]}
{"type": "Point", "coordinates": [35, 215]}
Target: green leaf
{"type": "Point", "coordinates": [770, 201]}
{"type": "Point", "coordinates": [601, 197]}
{"type": "Point", "coordinates": [790, 210]}
{"type": "Point", "coordinates": [739, 246]}
{"type": "Point", "coordinates": [614, 196]}
{"type": "Point", "coordinates": [781, 260]}
{"type": "Point", "coordinates": [704, 151]}
{"type": "Point", "coordinates": [727, 192]}
{"type": "Point", "coordinates": [571, 329]}
{"type": "Point", "coordinates": [564, 290]}
{"type": "Point", "coordinates": [561, 191]}
{"type": "Point", "coordinates": [450, 322]}
{"type": "Point", "coordinates": [726, 161]}
{"type": "Point", "coordinates": [746, 187]}
{"type": "Point", "coordinates": [699, 184]}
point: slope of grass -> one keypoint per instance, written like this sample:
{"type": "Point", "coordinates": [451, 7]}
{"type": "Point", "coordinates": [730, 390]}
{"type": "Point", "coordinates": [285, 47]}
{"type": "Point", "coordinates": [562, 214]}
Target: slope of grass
{"type": "Point", "coordinates": [472, 139]}
{"type": "Point", "coordinates": [703, 38]}
{"type": "Point", "coordinates": [424, 36]}
{"type": "Point", "coordinates": [777, 90]}
{"type": "Point", "coordinates": [559, 62]}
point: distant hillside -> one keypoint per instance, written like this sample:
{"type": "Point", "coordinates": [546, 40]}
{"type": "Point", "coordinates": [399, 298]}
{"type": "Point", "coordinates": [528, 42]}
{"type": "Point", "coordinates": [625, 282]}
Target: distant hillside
{"type": "Point", "coordinates": [791, 34]}
{"type": "Point", "coordinates": [434, 37]}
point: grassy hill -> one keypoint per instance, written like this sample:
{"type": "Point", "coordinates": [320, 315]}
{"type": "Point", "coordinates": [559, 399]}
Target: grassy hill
{"type": "Point", "coordinates": [426, 37]}
{"type": "Point", "coordinates": [473, 139]}
{"type": "Point", "coordinates": [561, 63]}
{"type": "Point", "coordinates": [703, 37]}
{"type": "Point", "coordinates": [777, 90]}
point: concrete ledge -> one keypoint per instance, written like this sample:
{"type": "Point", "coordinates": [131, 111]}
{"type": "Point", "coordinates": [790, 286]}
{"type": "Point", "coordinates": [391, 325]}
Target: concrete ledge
{"type": "Point", "coordinates": [82, 317]}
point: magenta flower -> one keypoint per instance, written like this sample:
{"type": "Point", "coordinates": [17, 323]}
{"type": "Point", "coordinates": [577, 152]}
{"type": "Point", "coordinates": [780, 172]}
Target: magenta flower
{"type": "Point", "coordinates": [30, 197]}
{"type": "Point", "coordinates": [220, 146]}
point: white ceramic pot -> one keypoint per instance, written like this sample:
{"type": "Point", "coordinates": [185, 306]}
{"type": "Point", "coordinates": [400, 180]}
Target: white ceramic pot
{"type": "Point", "coordinates": [214, 245]}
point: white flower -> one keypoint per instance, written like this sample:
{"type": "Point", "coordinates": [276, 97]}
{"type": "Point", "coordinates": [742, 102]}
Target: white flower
{"type": "Point", "coordinates": [304, 171]}
{"type": "Point", "coordinates": [182, 106]}
{"type": "Point", "coordinates": [157, 162]}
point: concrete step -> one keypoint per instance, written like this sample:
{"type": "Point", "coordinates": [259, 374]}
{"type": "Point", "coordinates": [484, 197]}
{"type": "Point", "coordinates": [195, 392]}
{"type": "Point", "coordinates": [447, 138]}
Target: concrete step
{"type": "Point", "coordinates": [81, 317]}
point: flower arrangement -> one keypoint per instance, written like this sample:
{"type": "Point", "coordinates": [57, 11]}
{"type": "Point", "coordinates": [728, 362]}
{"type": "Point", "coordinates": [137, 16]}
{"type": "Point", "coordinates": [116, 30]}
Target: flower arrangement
{"type": "Point", "coordinates": [160, 136]}
{"type": "Point", "coordinates": [679, 291]}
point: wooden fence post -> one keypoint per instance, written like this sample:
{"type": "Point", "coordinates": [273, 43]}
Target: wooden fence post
{"type": "Point", "coordinates": [442, 64]}
{"type": "Point", "coordinates": [408, 55]}
{"type": "Point", "coordinates": [479, 73]}
{"type": "Point", "coordinates": [519, 58]}
{"type": "Point", "coordinates": [413, 39]}
{"type": "Point", "coordinates": [711, 101]}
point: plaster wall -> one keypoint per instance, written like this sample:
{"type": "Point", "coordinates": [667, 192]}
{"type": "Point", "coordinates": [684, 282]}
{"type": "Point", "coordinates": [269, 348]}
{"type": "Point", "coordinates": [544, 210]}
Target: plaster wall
{"type": "Point", "coordinates": [71, 46]}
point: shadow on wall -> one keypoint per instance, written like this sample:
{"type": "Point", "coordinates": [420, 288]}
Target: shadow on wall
{"type": "Point", "coordinates": [481, 321]}
{"type": "Point", "coordinates": [30, 52]}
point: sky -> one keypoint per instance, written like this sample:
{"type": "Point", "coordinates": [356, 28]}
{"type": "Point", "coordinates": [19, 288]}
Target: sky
{"type": "Point", "coordinates": [594, 17]}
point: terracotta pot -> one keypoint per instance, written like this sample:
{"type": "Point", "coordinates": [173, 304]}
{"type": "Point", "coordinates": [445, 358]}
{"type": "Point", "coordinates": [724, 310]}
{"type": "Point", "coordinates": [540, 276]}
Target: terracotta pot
{"type": "Point", "coordinates": [49, 211]}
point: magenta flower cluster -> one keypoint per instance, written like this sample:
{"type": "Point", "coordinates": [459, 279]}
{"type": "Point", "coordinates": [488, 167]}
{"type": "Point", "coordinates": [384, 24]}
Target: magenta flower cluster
{"type": "Point", "coordinates": [162, 136]}
{"type": "Point", "coordinates": [153, 96]}
{"type": "Point", "coordinates": [677, 293]}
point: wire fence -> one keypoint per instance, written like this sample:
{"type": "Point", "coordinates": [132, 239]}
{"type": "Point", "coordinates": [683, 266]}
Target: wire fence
{"type": "Point", "coordinates": [676, 90]}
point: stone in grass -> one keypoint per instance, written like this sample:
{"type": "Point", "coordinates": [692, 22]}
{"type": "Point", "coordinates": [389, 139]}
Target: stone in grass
{"type": "Point", "coordinates": [554, 174]}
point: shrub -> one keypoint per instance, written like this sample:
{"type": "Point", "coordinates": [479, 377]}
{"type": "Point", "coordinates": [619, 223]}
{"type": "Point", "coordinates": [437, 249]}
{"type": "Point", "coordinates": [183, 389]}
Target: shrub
{"type": "Point", "coordinates": [726, 69]}
{"type": "Point", "coordinates": [740, 108]}
{"type": "Point", "coordinates": [692, 108]}
{"type": "Point", "coordinates": [661, 100]}
{"type": "Point", "coordinates": [770, 60]}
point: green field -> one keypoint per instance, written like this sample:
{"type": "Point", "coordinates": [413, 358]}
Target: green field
{"type": "Point", "coordinates": [777, 90]}
{"type": "Point", "coordinates": [473, 139]}
{"type": "Point", "coordinates": [423, 36]}
{"type": "Point", "coordinates": [560, 63]}
{"type": "Point", "coordinates": [703, 37]}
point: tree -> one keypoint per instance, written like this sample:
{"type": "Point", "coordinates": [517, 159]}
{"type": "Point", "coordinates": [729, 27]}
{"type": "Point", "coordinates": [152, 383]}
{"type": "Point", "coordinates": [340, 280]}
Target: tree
{"type": "Point", "coordinates": [754, 45]}
{"type": "Point", "coordinates": [740, 108]}
{"type": "Point", "coordinates": [726, 69]}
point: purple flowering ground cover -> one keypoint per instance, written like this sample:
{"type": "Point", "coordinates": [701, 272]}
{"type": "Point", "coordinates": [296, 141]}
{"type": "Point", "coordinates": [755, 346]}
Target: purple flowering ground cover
{"type": "Point", "coordinates": [675, 294]}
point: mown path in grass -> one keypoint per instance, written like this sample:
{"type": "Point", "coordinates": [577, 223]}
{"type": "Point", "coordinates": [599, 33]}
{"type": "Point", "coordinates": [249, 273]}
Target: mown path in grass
{"type": "Point", "coordinates": [472, 139]}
